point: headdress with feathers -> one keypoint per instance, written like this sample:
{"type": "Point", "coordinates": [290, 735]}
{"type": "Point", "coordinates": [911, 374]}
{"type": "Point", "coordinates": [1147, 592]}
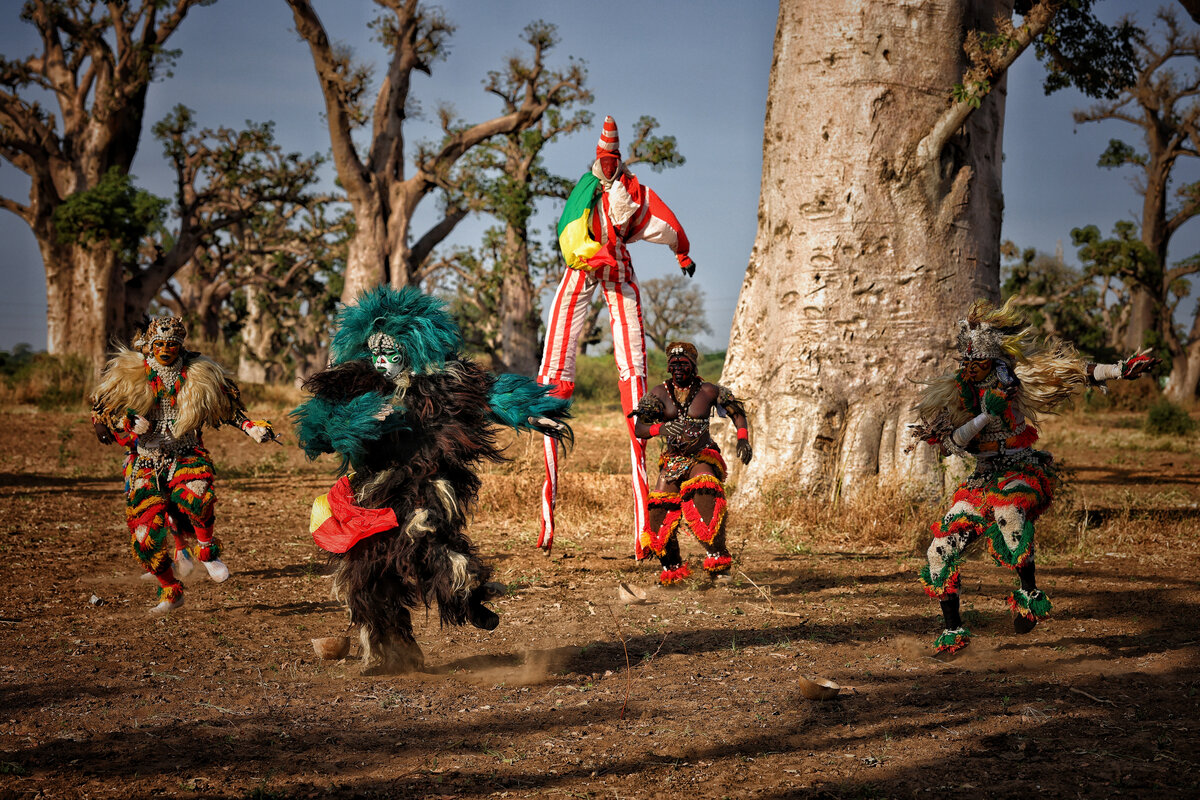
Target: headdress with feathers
{"type": "Point", "coordinates": [420, 325]}
{"type": "Point", "coordinates": [1048, 372]}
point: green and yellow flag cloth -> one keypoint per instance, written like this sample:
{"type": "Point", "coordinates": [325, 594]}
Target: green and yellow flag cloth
{"type": "Point", "coordinates": [574, 238]}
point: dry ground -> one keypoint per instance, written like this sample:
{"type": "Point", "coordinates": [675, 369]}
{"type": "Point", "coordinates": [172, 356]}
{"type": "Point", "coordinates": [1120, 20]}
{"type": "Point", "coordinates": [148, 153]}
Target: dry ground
{"type": "Point", "coordinates": [693, 694]}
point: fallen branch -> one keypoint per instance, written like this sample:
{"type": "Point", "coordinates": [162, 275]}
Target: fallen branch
{"type": "Point", "coordinates": [782, 613]}
{"type": "Point", "coordinates": [766, 595]}
{"type": "Point", "coordinates": [1091, 696]}
{"type": "Point", "coordinates": [207, 704]}
{"type": "Point", "coordinates": [628, 670]}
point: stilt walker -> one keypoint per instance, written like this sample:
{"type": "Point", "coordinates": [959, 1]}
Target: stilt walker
{"type": "Point", "coordinates": [607, 210]}
{"type": "Point", "coordinates": [988, 409]}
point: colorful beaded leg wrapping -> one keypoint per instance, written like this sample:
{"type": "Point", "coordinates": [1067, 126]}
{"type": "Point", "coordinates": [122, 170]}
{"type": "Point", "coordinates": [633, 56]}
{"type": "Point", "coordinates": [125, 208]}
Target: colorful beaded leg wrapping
{"type": "Point", "coordinates": [952, 641]}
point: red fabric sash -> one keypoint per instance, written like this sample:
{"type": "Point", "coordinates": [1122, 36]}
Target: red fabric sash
{"type": "Point", "coordinates": [347, 523]}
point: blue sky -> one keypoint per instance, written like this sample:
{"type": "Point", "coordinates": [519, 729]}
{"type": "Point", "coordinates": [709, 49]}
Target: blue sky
{"type": "Point", "coordinates": [700, 67]}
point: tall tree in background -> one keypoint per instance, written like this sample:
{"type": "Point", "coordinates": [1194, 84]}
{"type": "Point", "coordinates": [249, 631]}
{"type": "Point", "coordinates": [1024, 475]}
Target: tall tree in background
{"type": "Point", "coordinates": [1127, 259]}
{"type": "Point", "coordinates": [672, 309]}
{"type": "Point", "coordinates": [509, 177]}
{"type": "Point", "coordinates": [879, 220]}
{"type": "Point", "coordinates": [382, 195]}
{"type": "Point", "coordinates": [223, 178]}
{"type": "Point", "coordinates": [288, 295]}
{"type": "Point", "coordinates": [97, 60]}
{"type": "Point", "coordinates": [1163, 103]}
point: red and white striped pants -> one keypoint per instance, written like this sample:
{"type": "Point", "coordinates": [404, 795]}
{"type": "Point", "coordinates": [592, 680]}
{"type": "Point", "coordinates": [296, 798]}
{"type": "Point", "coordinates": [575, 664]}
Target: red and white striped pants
{"type": "Point", "coordinates": [568, 313]}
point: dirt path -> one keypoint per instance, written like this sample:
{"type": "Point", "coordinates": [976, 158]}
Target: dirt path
{"type": "Point", "coordinates": [691, 694]}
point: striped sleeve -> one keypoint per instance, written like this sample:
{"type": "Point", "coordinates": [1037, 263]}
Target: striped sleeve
{"type": "Point", "coordinates": [659, 226]}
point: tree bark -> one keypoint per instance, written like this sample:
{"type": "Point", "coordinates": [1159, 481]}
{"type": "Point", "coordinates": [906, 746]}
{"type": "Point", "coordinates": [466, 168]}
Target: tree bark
{"type": "Point", "coordinates": [85, 301]}
{"type": "Point", "coordinates": [97, 61]}
{"type": "Point", "coordinates": [1143, 305]}
{"type": "Point", "coordinates": [875, 233]}
{"type": "Point", "coordinates": [519, 324]}
{"type": "Point", "coordinates": [258, 361]}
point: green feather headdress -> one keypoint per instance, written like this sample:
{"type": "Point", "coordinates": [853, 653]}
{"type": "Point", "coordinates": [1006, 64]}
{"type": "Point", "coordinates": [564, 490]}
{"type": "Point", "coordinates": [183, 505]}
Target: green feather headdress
{"type": "Point", "coordinates": [420, 324]}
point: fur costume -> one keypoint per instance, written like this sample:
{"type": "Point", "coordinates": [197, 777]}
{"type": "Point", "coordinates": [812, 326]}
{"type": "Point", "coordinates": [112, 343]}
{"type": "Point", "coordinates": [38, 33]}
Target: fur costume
{"type": "Point", "coordinates": [988, 409]}
{"type": "Point", "coordinates": [158, 412]}
{"type": "Point", "coordinates": [411, 419]}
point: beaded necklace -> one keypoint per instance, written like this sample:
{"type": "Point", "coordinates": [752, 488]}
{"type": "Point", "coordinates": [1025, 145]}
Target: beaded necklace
{"type": "Point", "coordinates": [683, 407]}
{"type": "Point", "coordinates": [166, 381]}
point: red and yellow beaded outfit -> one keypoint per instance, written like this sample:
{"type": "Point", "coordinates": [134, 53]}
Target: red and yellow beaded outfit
{"type": "Point", "coordinates": [157, 411]}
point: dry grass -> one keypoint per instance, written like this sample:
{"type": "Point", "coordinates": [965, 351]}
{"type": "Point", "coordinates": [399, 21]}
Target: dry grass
{"type": "Point", "coordinates": [1122, 489]}
{"type": "Point", "coordinates": [47, 382]}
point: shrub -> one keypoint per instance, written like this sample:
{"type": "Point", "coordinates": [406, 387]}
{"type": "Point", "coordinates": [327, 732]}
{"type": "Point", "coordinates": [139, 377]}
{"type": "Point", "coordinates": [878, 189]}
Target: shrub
{"type": "Point", "coordinates": [48, 381]}
{"type": "Point", "coordinates": [1167, 419]}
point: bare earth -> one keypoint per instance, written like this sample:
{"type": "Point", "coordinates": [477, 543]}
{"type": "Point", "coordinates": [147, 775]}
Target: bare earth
{"type": "Point", "coordinates": [693, 694]}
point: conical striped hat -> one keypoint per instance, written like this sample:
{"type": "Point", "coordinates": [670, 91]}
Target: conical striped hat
{"type": "Point", "coordinates": [610, 142]}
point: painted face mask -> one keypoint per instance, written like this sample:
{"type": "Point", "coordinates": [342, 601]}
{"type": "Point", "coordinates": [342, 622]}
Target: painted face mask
{"type": "Point", "coordinates": [977, 369]}
{"type": "Point", "coordinates": [682, 370]}
{"type": "Point", "coordinates": [386, 356]}
{"type": "Point", "coordinates": [165, 352]}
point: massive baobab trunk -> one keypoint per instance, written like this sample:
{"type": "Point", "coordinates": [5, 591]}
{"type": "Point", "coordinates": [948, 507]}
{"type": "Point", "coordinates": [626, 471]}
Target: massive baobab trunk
{"type": "Point", "coordinates": [85, 298]}
{"type": "Point", "coordinates": [879, 222]}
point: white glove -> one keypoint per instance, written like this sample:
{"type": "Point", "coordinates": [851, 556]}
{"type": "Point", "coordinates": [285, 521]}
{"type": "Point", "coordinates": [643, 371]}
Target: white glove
{"type": "Point", "coordinates": [141, 425]}
{"type": "Point", "coordinates": [258, 433]}
{"type": "Point", "coordinates": [259, 430]}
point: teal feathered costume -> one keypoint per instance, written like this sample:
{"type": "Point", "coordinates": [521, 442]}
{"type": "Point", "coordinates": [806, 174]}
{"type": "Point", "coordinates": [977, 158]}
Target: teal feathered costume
{"type": "Point", "coordinates": [411, 419]}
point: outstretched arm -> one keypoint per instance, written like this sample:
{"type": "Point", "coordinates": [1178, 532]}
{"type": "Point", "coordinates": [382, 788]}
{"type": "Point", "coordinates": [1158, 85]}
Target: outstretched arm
{"type": "Point", "coordinates": [348, 411]}
{"type": "Point", "coordinates": [1127, 369]}
{"type": "Point", "coordinates": [661, 227]}
{"type": "Point", "coordinates": [524, 404]}
{"type": "Point", "coordinates": [259, 430]}
{"type": "Point", "coordinates": [649, 415]}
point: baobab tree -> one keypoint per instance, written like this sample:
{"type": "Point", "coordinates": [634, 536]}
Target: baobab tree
{"type": "Point", "coordinates": [97, 61]}
{"type": "Point", "coordinates": [383, 196]}
{"type": "Point", "coordinates": [879, 222]}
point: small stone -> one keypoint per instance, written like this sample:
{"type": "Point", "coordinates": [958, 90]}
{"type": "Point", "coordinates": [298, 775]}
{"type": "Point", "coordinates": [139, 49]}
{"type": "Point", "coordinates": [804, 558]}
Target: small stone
{"type": "Point", "coordinates": [96, 600]}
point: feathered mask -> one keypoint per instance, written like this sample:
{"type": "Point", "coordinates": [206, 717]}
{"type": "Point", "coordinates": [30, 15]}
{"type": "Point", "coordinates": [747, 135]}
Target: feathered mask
{"type": "Point", "coordinates": [418, 324]}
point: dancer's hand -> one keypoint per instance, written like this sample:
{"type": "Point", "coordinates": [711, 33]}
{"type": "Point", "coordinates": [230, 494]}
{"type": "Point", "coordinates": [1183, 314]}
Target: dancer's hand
{"type": "Point", "coordinates": [139, 425]}
{"type": "Point", "coordinates": [544, 424]}
{"type": "Point", "coordinates": [744, 451]}
{"type": "Point", "coordinates": [259, 430]}
{"type": "Point", "coordinates": [673, 431]}
{"type": "Point", "coordinates": [1138, 364]}
{"type": "Point", "coordinates": [687, 265]}
{"type": "Point", "coordinates": [994, 402]}
{"type": "Point", "coordinates": [103, 433]}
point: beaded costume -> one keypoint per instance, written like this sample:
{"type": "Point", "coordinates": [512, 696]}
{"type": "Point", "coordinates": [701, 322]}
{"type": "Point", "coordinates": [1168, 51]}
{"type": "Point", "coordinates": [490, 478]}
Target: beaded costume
{"type": "Point", "coordinates": [988, 409]}
{"type": "Point", "coordinates": [157, 411]}
{"type": "Point", "coordinates": [412, 418]}
{"type": "Point", "coordinates": [690, 489]}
